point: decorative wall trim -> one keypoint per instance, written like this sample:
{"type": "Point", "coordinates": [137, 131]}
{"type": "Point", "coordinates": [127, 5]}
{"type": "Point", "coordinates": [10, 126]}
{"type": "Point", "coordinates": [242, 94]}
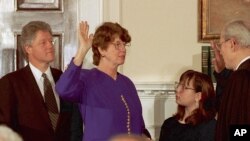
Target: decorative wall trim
{"type": "Point", "coordinates": [155, 89]}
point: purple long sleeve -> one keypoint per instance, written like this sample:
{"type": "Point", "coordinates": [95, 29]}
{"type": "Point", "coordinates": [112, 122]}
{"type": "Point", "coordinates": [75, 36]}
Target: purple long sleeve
{"type": "Point", "coordinates": [108, 107]}
{"type": "Point", "coordinates": [68, 85]}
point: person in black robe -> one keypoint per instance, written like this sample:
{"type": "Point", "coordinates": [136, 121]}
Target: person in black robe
{"type": "Point", "coordinates": [235, 100]}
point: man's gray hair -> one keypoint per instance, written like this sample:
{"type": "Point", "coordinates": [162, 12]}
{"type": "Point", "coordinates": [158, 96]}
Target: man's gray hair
{"type": "Point", "coordinates": [29, 32]}
{"type": "Point", "coordinates": [239, 30]}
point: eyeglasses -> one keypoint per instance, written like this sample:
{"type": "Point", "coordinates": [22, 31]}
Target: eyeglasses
{"type": "Point", "coordinates": [182, 87]}
{"type": "Point", "coordinates": [219, 45]}
{"type": "Point", "coordinates": [121, 45]}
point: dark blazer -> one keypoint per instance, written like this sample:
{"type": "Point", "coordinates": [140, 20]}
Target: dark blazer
{"type": "Point", "coordinates": [23, 109]}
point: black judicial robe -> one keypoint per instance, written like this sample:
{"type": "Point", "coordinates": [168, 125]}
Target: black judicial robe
{"type": "Point", "coordinates": [235, 102]}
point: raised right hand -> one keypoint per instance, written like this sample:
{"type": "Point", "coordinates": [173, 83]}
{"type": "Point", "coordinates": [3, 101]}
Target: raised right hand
{"type": "Point", "coordinates": [85, 41]}
{"type": "Point", "coordinates": [84, 37]}
{"type": "Point", "coordinates": [218, 60]}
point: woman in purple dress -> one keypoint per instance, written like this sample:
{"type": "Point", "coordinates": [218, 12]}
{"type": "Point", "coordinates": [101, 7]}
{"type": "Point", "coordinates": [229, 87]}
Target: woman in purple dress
{"type": "Point", "coordinates": [108, 100]}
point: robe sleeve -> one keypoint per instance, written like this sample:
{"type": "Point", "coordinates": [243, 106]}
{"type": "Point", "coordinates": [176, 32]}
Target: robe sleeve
{"type": "Point", "coordinates": [221, 82]}
{"type": "Point", "coordinates": [235, 104]}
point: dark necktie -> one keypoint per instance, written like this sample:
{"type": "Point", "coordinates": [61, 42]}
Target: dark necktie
{"type": "Point", "coordinates": [50, 101]}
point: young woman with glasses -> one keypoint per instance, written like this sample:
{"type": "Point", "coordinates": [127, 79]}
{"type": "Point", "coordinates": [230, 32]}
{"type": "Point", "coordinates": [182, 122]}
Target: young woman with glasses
{"type": "Point", "coordinates": [195, 116]}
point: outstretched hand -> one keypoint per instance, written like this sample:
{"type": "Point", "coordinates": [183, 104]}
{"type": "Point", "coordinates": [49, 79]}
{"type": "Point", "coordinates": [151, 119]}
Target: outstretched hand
{"type": "Point", "coordinates": [217, 61]}
{"type": "Point", "coordinates": [85, 41]}
{"type": "Point", "coordinates": [84, 37]}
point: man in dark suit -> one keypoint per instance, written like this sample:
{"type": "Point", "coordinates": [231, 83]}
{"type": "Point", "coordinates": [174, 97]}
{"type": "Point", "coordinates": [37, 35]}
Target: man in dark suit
{"type": "Point", "coordinates": [24, 106]}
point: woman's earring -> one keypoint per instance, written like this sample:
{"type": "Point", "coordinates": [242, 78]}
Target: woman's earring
{"type": "Point", "coordinates": [197, 104]}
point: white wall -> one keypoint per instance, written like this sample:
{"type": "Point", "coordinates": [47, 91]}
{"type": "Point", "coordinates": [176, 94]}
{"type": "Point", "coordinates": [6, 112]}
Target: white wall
{"type": "Point", "coordinates": [164, 39]}
{"type": "Point", "coordinates": [164, 36]}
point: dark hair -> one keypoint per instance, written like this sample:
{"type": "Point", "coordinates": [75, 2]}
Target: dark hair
{"type": "Point", "coordinates": [206, 110]}
{"type": "Point", "coordinates": [29, 32]}
{"type": "Point", "coordinates": [105, 34]}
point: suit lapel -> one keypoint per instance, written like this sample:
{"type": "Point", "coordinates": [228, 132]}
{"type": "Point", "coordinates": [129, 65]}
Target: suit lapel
{"type": "Point", "coordinates": [36, 95]}
{"type": "Point", "coordinates": [64, 106]}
